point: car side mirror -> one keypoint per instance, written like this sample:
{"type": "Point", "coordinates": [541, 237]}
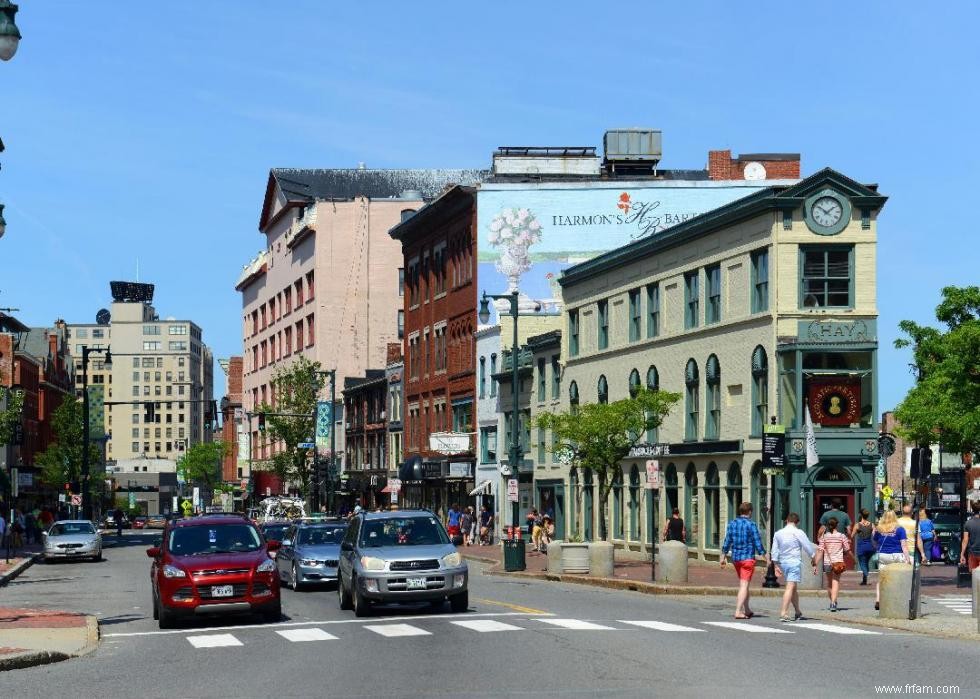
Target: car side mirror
{"type": "Point", "coordinates": [273, 545]}
{"type": "Point", "coordinates": [286, 542]}
{"type": "Point", "coordinates": [153, 552]}
{"type": "Point", "coordinates": [346, 546]}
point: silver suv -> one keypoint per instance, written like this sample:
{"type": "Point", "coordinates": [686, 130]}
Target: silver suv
{"type": "Point", "coordinates": [403, 556]}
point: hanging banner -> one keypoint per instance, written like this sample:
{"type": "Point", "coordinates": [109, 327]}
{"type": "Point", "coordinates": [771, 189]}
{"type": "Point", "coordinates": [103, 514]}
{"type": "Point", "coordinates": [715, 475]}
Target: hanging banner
{"type": "Point", "coordinates": [324, 423]}
{"type": "Point", "coordinates": [96, 412]}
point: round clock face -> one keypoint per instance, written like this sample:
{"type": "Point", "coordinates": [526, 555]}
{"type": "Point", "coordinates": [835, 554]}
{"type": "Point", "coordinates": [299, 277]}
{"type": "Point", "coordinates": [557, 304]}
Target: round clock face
{"type": "Point", "coordinates": [826, 211]}
{"type": "Point", "coordinates": [754, 171]}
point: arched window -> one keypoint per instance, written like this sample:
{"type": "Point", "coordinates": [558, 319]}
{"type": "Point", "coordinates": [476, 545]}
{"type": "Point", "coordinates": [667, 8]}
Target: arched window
{"type": "Point", "coordinates": [712, 507]}
{"type": "Point", "coordinates": [634, 383]}
{"type": "Point", "coordinates": [734, 487]}
{"type": "Point", "coordinates": [634, 534]}
{"type": "Point", "coordinates": [603, 390]}
{"type": "Point", "coordinates": [760, 390]}
{"type": "Point", "coordinates": [712, 380]}
{"type": "Point", "coordinates": [493, 370]}
{"type": "Point", "coordinates": [617, 505]}
{"type": "Point", "coordinates": [653, 384]}
{"type": "Point", "coordinates": [573, 398]}
{"type": "Point", "coordinates": [692, 380]}
{"type": "Point", "coordinates": [691, 504]}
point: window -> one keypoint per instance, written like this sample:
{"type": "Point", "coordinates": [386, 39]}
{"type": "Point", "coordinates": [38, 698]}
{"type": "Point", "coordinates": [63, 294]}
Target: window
{"type": "Point", "coordinates": [136, 362]}
{"type": "Point", "coordinates": [401, 323]}
{"type": "Point", "coordinates": [180, 361]}
{"type": "Point", "coordinates": [401, 281]}
{"type": "Point", "coordinates": [573, 398]}
{"type": "Point", "coordinates": [493, 370]}
{"type": "Point", "coordinates": [310, 287]}
{"type": "Point", "coordinates": [178, 329]}
{"type": "Point", "coordinates": [602, 321]}
{"type": "Point", "coordinates": [825, 276]}
{"type": "Point", "coordinates": [542, 380]}
{"type": "Point", "coordinates": [98, 333]}
{"type": "Point", "coordinates": [692, 381]}
{"type": "Point", "coordinates": [151, 345]}
{"type": "Point", "coordinates": [298, 286]}
{"type": "Point", "coordinates": [760, 281]}
{"type": "Point", "coordinates": [653, 310]}
{"type": "Point", "coordinates": [634, 383]}
{"type": "Point", "coordinates": [602, 388]}
{"type": "Point", "coordinates": [136, 390]}
{"type": "Point", "coordinates": [691, 300]}
{"type": "Point", "coordinates": [542, 448]}
{"type": "Point", "coordinates": [488, 445]}
{"type": "Point", "coordinates": [712, 311]}
{"type": "Point", "coordinates": [179, 346]}
{"type": "Point", "coordinates": [463, 416]}
{"type": "Point", "coordinates": [555, 377]}
{"type": "Point", "coordinates": [483, 377]}
{"type": "Point", "coordinates": [81, 333]}
{"type": "Point", "coordinates": [288, 297]}
{"type": "Point", "coordinates": [760, 390]}
{"type": "Point", "coordinates": [635, 317]}
{"type": "Point", "coordinates": [712, 375]}
{"type": "Point", "coordinates": [151, 329]}
{"type": "Point", "coordinates": [653, 384]}
{"type": "Point", "coordinates": [573, 333]}
{"type": "Point", "coordinates": [310, 331]}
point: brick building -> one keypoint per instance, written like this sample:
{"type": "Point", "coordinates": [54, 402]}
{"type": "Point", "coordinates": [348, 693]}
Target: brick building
{"type": "Point", "coordinates": [232, 422]}
{"type": "Point", "coordinates": [366, 437]}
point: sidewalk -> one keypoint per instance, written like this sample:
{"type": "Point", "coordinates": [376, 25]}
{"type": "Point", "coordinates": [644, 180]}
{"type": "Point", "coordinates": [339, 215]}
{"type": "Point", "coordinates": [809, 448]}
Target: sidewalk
{"type": "Point", "coordinates": [19, 562]}
{"type": "Point", "coordinates": [31, 637]}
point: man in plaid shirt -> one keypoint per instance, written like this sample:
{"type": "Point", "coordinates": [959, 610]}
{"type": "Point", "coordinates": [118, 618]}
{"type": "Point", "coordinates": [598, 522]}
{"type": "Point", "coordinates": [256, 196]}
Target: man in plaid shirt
{"type": "Point", "coordinates": [743, 542]}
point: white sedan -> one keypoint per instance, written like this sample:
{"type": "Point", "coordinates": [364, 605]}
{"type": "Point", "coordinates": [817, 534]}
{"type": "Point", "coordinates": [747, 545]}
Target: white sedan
{"type": "Point", "coordinates": [72, 538]}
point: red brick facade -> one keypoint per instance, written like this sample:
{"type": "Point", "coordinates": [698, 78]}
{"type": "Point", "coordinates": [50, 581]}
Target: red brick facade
{"type": "Point", "coordinates": [779, 166]}
{"type": "Point", "coordinates": [229, 426]}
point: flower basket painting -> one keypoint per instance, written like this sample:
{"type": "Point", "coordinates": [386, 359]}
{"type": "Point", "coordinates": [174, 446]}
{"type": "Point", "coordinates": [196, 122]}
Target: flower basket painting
{"type": "Point", "coordinates": [514, 231]}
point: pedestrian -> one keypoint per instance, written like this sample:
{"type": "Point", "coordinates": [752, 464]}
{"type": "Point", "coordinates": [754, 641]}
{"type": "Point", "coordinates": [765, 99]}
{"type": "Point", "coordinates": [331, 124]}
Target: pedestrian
{"type": "Point", "coordinates": [3, 527]}
{"type": "Point", "coordinates": [970, 552]}
{"type": "Point", "coordinates": [117, 515]}
{"type": "Point", "coordinates": [532, 519]}
{"type": "Point", "coordinates": [474, 529]}
{"type": "Point", "coordinates": [908, 524]}
{"type": "Point", "coordinates": [30, 524]}
{"type": "Point", "coordinates": [674, 529]}
{"type": "Point", "coordinates": [452, 521]}
{"type": "Point", "coordinates": [17, 530]}
{"type": "Point", "coordinates": [465, 525]}
{"type": "Point", "coordinates": [486, 526]}
{"type": "Point", "coordinates": [831, 549]}
{"type": "Point", "coordinates": [843, 519]}
{"type": "Point", "coordinates": [743, 542]}
{"type": "Point", "coordinates": [547, 532]}
{"type": "Point", "coordinates": [927, 534]}
{"type": "Point", "coordinates": [788, 546]}
{"type": "Point", "coordinates": [47, 519]}
{"type": "Point", "coordinates": [864, 547]}
{"type": "Point", "coordinates": [892, 544]}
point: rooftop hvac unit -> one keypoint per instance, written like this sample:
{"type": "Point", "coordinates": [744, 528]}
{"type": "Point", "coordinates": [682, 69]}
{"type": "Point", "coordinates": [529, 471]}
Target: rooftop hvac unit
{"type": "Point", "coordinates": [638, 146]}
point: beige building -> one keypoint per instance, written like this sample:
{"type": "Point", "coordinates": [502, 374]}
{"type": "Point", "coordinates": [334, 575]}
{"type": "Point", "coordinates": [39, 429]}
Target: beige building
{"type": "Point", "coordinates": [751, 312]}
{"type": "Point", "coordinates": [163, 362]}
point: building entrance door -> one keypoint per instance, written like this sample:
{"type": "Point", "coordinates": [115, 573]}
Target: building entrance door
{"type": "Point", "coordinates": [823, 501]}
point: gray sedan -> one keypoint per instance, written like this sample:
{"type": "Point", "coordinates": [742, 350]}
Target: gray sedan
{"type": "Point", "coordinates": [309, 553]}
{"type": "Point", "coordinates": [72, 538]}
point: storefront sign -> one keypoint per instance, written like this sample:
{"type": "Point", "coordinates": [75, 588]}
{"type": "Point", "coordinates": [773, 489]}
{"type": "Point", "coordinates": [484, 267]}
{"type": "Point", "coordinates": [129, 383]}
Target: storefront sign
{"type": "Point", "coordinates": [640, 451]}
{"type": "Point", "coordinates": [773, 448]}
{"type": "Point", "coordinates": [834, 331]}
{"type": "Point", "coordinates": [835, 402]}
{"type": "Point", "coordinates": [460, 469]}
{"type": "Point", "coordinates": [449, 442]}
{"type": "Point", "coordinates": [432, 469]}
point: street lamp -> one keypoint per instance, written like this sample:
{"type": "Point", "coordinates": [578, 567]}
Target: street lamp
{"type": "Point", "coordinates": [86, 351]}
{"type": "Point", "coordinates": [9, 34]}
{"type": "Point", "coordinates": [515, 446]}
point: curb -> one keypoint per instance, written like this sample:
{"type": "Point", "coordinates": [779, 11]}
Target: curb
{"type": "Point", "coordinates": [32, 658]}
{"type": "Point", "coordinates": [890, 624]}
{"type": "Point", "coordinates": [19, 568]}
{"type": "Point", "coordinates": [93, 636]}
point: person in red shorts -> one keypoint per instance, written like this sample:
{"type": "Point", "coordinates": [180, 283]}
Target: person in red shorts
{"type": "Point", "coordinates": [743, 542]}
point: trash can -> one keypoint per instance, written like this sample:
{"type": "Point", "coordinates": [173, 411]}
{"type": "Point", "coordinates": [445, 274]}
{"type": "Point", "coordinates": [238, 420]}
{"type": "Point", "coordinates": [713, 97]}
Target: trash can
{"type": "Point", "coordinates": [514, 555]}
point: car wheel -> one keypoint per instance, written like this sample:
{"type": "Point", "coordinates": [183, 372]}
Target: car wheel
{"type": "Point", "coordinates": [343, 595]}
{"type": "Point", "coordinates": [156, 609]}
{"type": "Point", "coordinates": [166, 618]}
{"type": "Point", "coordinates": [436, 605]}
{"type": "Point", "coordinates": [362, 607]}
{"type": "Point", "coordinates": [295, 583]}
{"type": "Point", "coordinates": [97, 557]}
{"type": "Point", "coordinates": [460, 603]}
{"type": "Point", "coordinates": [273, 614]}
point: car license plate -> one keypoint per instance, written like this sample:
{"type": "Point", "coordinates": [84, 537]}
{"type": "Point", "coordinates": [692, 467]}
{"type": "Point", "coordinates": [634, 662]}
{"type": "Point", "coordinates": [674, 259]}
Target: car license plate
{"type": "Point", "coordinates": [416, 583]}
{"type": "Point", "coordinates": [222, 591]}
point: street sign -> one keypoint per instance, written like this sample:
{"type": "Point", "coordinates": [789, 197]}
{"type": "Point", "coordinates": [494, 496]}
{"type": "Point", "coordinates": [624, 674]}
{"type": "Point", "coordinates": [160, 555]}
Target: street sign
{"type": "Point", "coordinates": [449, 443]}
{"type": "Point", "coordinates": [653, 475]}
{"type": "Point", "coordinates": [774, 448]}
{"type": "Point", "coordinates": [61, 497]}
{"type": "Point", "coordinates": [512, 490]}
{"type": "Point", "coordinates": [305, 445]}
{"type": "Point", "coordinates": [76, 500]}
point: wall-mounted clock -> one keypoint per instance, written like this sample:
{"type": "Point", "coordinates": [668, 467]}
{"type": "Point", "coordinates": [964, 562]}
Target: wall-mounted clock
{"type": "Point", "coordinates": [827, 212]}
{"type": "Point", "coordinates": [754, 171]}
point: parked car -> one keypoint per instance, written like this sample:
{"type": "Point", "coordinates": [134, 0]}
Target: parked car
{"type": "Point", "coordinates": [310, 552]}
{"type": "Point", "coordinates": [109, 522]}
{"type": "Point", "coordinates": [72, 538]}
{"type": "Point", "coordinates": [274, 530]}
{"type": "Point", "coordinates": [156, 522]}
{"type": "Point", "coordinates": [403, 556]}
{"type": "Point", "coordinates": [139, 522]}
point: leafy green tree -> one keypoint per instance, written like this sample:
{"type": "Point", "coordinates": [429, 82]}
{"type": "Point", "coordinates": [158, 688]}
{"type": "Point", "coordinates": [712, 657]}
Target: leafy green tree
{"type": "Point", "coordinates": [944, 405]}
{"type": "Point", "coordinates": [598, 436]}
{"type": "Point", "coordinates": [201, 463]}
{"type": "Point", "coordinates": [61, 462]}
{"type": "Point", "coordinates": [295, 389]}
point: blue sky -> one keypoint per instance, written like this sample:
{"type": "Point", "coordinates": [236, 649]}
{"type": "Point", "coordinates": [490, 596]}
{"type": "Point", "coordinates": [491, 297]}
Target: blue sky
{"type": "Point", "coordinates": [145, 131]}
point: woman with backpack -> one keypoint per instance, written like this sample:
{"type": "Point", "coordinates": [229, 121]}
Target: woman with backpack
{"type": "Point", "coordinates": [892, 544]}
{"type": "Point", "coordinates": [864, 547]}
{"type": "Point", "coordinates": [831, 549]}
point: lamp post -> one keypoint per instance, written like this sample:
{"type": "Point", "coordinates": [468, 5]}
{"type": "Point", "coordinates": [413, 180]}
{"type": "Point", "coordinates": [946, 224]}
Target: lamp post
{"type": "Point", "coordinates": [86, 437]}
{"type": "Point", "coordinates": [9, 34]}
{"type": "Point", "coordinates": [516, 454]}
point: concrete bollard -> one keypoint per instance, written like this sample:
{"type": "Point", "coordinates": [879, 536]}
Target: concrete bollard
{"type": "Point", "coordinates": [895, 583]}
{"type": "Point", "coordinates": [554, 558]}
{"type": "Point", "coordinates": [810, 580]}
{"type": "Point", "coordinates": [601, 559]}
{"type": "Point", "coordinates": [672, 562]}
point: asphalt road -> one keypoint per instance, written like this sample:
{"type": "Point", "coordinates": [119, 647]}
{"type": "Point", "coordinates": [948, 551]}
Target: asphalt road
{"type": "Point", "coordinates": [519, 638]}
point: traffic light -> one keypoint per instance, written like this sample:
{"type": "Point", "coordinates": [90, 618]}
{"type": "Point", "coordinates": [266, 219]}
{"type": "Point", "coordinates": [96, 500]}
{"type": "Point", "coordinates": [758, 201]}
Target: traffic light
{"type": "Point", "coordinates": [925, 462]}
{"type": "Point", "coordinates": [261, 422]}
{"type": "Point", "coordinates": [914, 463]}
{"type": "Point", "coordinates": [148, 412]}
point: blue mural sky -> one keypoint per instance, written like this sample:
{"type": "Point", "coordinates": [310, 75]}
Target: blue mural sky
{"type": "Point", "coordinates": [140, 131]}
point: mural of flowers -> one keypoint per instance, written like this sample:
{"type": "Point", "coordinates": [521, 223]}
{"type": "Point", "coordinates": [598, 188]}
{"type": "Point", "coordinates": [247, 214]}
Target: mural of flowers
{"type": "Point", "coordinates": [514, 231]}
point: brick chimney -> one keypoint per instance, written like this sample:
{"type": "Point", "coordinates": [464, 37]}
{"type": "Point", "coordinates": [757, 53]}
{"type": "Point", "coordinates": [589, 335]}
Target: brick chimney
{"type": "Point", "coordinates": [778, 166]}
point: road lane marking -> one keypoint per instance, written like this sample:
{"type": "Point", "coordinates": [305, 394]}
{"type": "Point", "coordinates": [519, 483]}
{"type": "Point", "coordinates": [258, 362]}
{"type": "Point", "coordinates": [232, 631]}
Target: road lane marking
{"type": "Point", "coordinates": [576, 624]}
{"type": "Point", "coordinates": [302, 635]}
{"type": "Point", "coordinates": [486, 625]}
{"type": "Point", "coordinates": [515, 607]}
{"type": "Point", "coordinates": [661, 626]}
{"type": "Point", "coordinates": [844, 630]}
{"type": "Point", "coordinates": [283, 624]}
{"type": "Point", "coordinates": [397, 630]}
{"type": "Point", "coordinates": [751, 628]}
{"type": "Point", "coordinates": [216, 640]}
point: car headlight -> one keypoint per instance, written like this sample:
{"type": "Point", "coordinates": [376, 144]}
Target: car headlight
{"type": "Point", "coordinates": [266, 566]}
{"type": "Point", "coordinates": [92, 542]}
{"type": "Point", "coordinates": [369, 563]}
{"type": "Point", "coordinates": [170, 571]}
{"type": "Point", "coordinates": [308, 561]}
{"type": "Point", "coordinates": [452, 560]}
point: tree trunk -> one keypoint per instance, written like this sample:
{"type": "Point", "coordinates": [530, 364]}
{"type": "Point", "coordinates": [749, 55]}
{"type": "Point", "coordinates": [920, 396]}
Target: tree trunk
{"type": "Point", "coordinates": [603, 499]}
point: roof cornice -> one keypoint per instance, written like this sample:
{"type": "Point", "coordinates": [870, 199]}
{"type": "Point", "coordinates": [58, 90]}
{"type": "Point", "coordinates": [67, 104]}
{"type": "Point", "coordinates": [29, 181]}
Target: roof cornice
{"type": "Point", "coordinates": [453, 201]}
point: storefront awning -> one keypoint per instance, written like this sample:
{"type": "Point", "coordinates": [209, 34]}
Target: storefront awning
{"type": "Point", "coordinates": [482, 489]}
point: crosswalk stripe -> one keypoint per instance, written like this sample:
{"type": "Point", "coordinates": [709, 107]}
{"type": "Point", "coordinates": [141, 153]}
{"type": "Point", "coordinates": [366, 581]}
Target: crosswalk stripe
{"type": "Point", "coordinates": [751, 628]}
{"type": "Point", "coordinates": [302, 635]}
{"type": "Point", "coordinates": [216, 640]}
{"type": "Point", "coordinates": [660, 626]}
{"type": "Point", "coordinates": [397, 630]}
{"type": "Point", "coordinates": [843, 630]}
{"type": "Point", "coordinates": [576, 624]}
{"type": "Point", "coordinates": [486, 625]}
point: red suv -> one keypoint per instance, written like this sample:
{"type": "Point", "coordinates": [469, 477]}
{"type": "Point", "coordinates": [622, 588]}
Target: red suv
{"type": "Point", "coordinates": [215, 564]}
